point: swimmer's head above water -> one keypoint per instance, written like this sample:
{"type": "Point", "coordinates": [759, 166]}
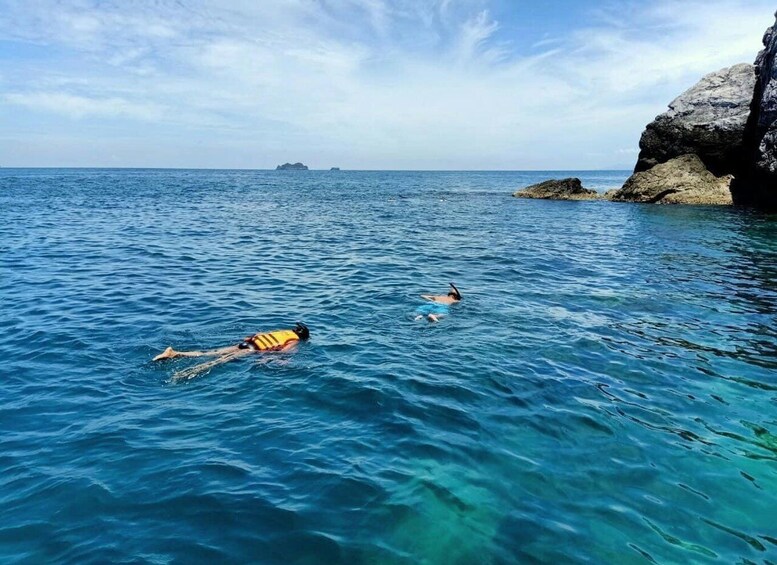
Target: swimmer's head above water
{"type": "Point", "coordinates": [302, 331]}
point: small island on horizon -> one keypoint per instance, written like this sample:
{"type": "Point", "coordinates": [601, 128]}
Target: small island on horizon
{"type": "Point", "coordinates": [292, 167]}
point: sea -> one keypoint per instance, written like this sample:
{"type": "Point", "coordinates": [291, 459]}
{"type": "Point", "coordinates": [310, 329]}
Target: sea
{"type": "Point", "coordinates": [605, 392]}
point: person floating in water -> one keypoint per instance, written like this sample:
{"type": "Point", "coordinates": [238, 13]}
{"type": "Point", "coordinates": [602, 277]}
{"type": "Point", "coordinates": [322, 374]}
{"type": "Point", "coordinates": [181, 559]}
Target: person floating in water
{"type": "Point", "coordinates": [278, 340]}
{"type": "Point", "coordinates": [438, 305]}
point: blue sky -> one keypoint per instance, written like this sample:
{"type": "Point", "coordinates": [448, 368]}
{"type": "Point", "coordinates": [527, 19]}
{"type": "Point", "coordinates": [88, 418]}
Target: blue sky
{"type": "Point", "coordinates": [359, 84]}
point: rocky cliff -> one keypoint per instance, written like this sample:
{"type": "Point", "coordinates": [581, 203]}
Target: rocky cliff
{"type": "Point", "coordinates": [756, 181]}
{"type": "Point", "coordinates": [717, 143]}
{"type": "Point", "coordinates": [707, 120]}
{"type": "Point", "coordinates": [689, 153]}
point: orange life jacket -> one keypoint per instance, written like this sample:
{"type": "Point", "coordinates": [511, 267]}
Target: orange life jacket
{"type": "Point", "coordinates": [272, 341]}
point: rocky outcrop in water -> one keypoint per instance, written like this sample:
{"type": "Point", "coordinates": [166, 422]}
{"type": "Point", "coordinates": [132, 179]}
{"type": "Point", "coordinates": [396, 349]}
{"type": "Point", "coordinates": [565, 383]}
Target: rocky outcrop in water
{"type": "Point", "coordinates": [712, 121]}
{"type": "Point", "coordinates": [292, 167]}
{"type": "Point", "coordinates": [757, 178]}
{"type": "Point", "coordinates": [563, 189]}
{"type": "Point", "coordinates": [717, 144]}
{"type": "Point", "coordinates": [683, 180]}
{"type": "Point", "coordinates": [707, 120]}
{"type": "Point", "coordinates": [687, 154]}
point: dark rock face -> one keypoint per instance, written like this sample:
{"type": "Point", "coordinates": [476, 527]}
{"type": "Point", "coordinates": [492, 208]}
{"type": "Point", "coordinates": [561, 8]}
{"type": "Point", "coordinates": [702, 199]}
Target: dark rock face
{"type": "Point", "coordinates": [291, 167]}
{"type": "Point", "coordinates": [684, 180]}
{"type": "Point", "coordinates": [757, 179]}
{"type": "Point", "coordinates": [708, 120]}
{"type": "Point", "coordinates": [564, 189]}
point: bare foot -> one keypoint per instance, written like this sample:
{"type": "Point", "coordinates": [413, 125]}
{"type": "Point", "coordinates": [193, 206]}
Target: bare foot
{"type": "Point", "coordinates": [168, 353]}
{"type": "Point", "coordinates": [433, 318]}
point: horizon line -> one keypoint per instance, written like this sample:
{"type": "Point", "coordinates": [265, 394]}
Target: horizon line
{"type": "Point", "coordinates": [339, 170]}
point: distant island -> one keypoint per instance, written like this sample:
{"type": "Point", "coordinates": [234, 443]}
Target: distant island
{"type": "Point", "coordinates": [335, 169]}
{"type": "Point", "coordinates": [292, 167]}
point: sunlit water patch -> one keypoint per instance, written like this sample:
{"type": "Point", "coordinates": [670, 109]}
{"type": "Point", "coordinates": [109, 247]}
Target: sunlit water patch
{"type": "Point", "coordinates": [604, 393]}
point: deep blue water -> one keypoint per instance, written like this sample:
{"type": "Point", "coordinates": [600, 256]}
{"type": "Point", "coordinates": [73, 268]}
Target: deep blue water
{"type": "Point", "coordinates": [605, 392]}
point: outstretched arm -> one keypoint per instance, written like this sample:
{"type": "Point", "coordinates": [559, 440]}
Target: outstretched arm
{"type": "Point", "coordinates": [191, 372]}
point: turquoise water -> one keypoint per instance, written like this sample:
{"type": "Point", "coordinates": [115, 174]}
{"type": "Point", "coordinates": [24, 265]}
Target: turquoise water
{"type": "Point", "coordinates": [604, 393]}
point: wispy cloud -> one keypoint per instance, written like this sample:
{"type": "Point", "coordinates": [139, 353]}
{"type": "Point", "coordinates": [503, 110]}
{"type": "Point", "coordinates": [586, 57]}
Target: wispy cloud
{"type": "Point", "coordinates": [474, 36]}
{"type": "Point", "coordinates": [368, 83]}
{"type": "Point", "coordinates": [81, 106]}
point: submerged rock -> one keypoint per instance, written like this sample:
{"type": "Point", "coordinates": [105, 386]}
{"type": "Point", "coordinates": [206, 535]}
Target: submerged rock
{"type": "Point", "coordinates": [684, 180]}
{"type": "Point", "coordinates": [292, 167]}
{"type": "Point", "coordinates": [708, 120]}
{"type": "Point", "coordinates": [564, 189]}
{"type": "Point", "coordinates": [757, 179]}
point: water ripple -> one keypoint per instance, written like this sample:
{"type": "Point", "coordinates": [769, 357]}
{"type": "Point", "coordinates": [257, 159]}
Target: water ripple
{"type": "Point", "coordinates": [604, 393]}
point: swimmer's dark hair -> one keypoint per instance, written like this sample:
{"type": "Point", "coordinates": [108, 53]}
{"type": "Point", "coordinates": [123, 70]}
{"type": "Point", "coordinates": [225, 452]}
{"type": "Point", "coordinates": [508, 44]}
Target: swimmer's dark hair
{"type": "Point", "coordinates": [455, 292]}
{"type": "Point", "coordinates": [302, 331]}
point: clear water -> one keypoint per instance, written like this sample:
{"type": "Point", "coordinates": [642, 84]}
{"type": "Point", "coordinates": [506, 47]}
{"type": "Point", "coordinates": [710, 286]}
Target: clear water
{"type": "Point", "coordinates": [605, 392]}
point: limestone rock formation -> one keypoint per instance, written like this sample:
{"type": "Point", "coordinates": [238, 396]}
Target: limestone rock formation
{"type": "Point", "coordinates": [757, 180]}
{"type": "Point", "coordinates": [564, 189]}
{"type": "Point", "coordinates": [683, 180]}
{"type": "Point", "coordinates": [708, 120]}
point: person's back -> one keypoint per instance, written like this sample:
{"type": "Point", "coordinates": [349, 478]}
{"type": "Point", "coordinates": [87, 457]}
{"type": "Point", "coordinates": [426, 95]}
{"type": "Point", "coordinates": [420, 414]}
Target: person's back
{"type": "Point", "coordinates": [277, 340]}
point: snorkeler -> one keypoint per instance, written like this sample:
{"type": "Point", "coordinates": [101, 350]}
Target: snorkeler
{"type": "Point", "coordinates": [438, 304]}
{"type": "Point", "coordinates": [278, 340]}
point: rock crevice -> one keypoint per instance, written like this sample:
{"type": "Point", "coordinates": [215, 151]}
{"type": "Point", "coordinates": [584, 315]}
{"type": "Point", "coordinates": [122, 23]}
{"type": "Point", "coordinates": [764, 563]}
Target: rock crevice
{"type": "Point", "coordinates": [756, 182]}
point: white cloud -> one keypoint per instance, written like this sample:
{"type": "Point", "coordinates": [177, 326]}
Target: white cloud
{"type": "Point", "coordinates": [673, 43]}
{"type": "Point", "coordinates": [77, 107]}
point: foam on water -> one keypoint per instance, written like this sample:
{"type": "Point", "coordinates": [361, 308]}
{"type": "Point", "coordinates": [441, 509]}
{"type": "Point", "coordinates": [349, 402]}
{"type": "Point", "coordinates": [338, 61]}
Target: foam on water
{"type": "Point", "coordinates": [604, 393]}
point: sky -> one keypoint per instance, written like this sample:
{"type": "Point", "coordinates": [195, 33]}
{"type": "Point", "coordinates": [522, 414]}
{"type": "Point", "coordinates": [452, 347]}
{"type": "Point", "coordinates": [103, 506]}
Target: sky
{"type": "Point", "coordinates": [356, 84]}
